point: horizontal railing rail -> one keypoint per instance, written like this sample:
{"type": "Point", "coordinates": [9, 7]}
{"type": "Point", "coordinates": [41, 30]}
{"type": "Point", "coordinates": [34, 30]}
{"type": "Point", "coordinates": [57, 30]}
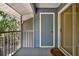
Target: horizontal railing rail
{"type": "Point", "coordinates": [9, 31]}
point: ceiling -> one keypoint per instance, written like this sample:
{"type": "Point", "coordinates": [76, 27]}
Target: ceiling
{"type": "Point", "coordinates": [23, 9]}
{"type": "Point", "coordinates": [47, 5]}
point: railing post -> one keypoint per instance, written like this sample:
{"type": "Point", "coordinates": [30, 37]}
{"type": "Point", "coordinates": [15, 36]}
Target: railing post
{"type": "Point", "coordinates": [21, 32]}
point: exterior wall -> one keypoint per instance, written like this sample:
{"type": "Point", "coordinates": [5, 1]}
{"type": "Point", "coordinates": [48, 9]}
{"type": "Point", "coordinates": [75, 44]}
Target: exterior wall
{"type": "Point", "coordinates": [28, 25]}
{"type": "Point", "coordinates": [36, 31]}
{"type": "Point", "coordinates": [36, 25]}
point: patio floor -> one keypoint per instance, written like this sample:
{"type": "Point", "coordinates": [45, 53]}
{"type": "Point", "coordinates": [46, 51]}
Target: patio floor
{"type": "Point", "coordinates": [33, 52]}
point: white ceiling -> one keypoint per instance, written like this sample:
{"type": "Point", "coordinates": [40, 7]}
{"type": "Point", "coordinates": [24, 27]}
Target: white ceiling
{"type": "Point", "coordinates": [24, 9]}
{"type": "Point", "coordinates": [47, 5]}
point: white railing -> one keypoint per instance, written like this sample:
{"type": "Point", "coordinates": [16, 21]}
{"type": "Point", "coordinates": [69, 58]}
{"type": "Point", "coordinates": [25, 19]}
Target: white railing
{"type": "Point", "coordinates": [29, 39]}
{"type": "Point", "coordinates": [9, 42]}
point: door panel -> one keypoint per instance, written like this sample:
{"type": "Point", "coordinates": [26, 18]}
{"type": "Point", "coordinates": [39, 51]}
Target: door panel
{"type": "Point", "coordinates": [46, 29]}
{"type": "Point", "coordinates": [66, 30]}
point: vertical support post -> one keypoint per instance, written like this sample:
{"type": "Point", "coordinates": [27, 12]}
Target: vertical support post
{"type": "Point", "coordinates": [21, 32]}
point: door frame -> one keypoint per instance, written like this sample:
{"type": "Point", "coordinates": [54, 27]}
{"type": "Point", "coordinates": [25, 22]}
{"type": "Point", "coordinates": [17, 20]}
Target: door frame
{"type": "Point", "coordinates": [53, 29]}
{"type": "Point", "coordinates": [59, 32]}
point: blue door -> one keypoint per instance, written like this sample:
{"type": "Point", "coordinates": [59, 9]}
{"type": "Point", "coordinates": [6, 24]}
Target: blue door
{"type": "Point", "coordinates": [46, 30]}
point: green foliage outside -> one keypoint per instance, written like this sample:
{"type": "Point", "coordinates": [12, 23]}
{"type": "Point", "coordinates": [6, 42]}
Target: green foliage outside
{"type": "Point", "coordinates": [8, 23]}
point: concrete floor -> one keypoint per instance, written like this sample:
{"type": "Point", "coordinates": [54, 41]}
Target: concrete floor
{"type": "Point", "coordinates": [33, 52]}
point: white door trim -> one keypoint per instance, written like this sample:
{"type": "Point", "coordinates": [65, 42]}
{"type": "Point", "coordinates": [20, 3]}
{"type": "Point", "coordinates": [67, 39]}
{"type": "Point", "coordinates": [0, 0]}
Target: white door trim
{"type": "Point", "coordinates": [53, 29]}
